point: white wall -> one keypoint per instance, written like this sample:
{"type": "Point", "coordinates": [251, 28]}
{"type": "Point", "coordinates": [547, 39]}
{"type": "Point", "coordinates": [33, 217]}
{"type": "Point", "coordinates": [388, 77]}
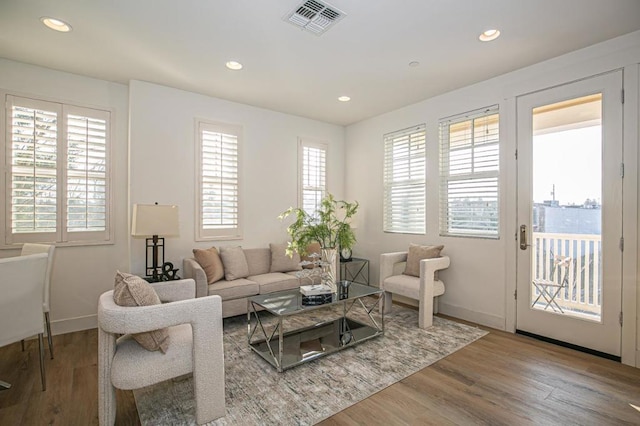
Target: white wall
{"type": "Point", "coordinates": [481, 280]}
{"type": "Point", "coordinates": [80, 274]}
{"type": "Point", "coordinates": [163, 163]}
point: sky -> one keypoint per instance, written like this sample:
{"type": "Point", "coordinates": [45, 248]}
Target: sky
{"type": "Point", "coordinates": [572, 160]}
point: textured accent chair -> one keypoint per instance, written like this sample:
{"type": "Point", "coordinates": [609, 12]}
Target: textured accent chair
{"type": "Point", "coordinates": [423, 288]}
{"type": "Point", "coordinates": [21, 290]}
{"type": "Point", "coordinates": [28, 249]}
{"type": "Point", "coordinates": [195, 346]}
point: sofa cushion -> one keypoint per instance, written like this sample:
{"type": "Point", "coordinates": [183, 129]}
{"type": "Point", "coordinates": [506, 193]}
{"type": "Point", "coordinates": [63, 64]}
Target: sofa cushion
{"type": "Point", "coordinates": [259, 260]}
{"type": "Point", "coordinates": [234, 262]}
{"type": "Point", "coordinates": [281, 261]}
{"type": "Point", "coordinates": [131, 290]}
{"type": "Point", "coordinates": [409, 286]}
{"type": "Point", "coordinates": [416, 254]}
{"type": "Point", "coordinates": [210, 261]}
{"type": "Point", "coordinates": [235, 289]}
{"type": "Point", "coordinates": [275, 281]}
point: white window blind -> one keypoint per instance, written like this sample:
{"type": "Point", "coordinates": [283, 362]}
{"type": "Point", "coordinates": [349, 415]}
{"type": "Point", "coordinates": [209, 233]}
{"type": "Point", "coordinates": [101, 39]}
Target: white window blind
{"type": "Point", "coordinates": [219, 181]}
{"type": "Point", "coordinates": [405, 181]}
{"type": "Point", "coordinates": [469, 174]}
{"type": "Point", "coordinates": [313, 174]}
{"type": "Point", "coordinates": [58, 185]}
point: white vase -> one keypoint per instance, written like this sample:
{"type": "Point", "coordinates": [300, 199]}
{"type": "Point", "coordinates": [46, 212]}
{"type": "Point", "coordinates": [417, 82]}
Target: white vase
{"type": "Point", "coordinates": [330, 268]}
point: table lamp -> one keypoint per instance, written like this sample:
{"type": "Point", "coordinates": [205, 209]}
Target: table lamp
{"type": "Point", "coordinates": [152, 220]}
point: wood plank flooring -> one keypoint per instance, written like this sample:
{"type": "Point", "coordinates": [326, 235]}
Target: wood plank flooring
{"type": "Point", "coordinates": [501, 379]}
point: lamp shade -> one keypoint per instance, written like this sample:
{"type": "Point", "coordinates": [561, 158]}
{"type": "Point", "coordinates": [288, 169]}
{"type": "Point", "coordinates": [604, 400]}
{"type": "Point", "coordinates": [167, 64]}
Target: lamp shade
{"type": "Point", "coordinates": [154, 219]}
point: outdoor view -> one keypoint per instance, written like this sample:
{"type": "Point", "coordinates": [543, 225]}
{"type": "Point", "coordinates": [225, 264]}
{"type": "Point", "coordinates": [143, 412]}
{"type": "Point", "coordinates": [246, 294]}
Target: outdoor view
{"type": "Point", "coordinates": [567, 213]}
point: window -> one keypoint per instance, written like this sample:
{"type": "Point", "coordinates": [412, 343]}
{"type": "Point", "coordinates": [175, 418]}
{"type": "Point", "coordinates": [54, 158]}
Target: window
{"type": "Point", "coordinates": [469, 171]}
{"type": "Point", "coordinates": [405, 181]}
{"type": "Point", "coordinates": [218, 179]}
{"type": "Point", "coordinates": [313, 174]}
{"type": "Point", "coordinates": [57, 188]}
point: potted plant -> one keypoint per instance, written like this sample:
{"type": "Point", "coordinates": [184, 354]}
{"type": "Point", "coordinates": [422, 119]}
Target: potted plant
{"type": "Point", "coordinates": [329, 226]}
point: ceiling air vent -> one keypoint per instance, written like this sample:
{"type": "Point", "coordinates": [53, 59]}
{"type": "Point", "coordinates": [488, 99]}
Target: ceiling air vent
{"type": "Point", "coordinates": [315, 16]}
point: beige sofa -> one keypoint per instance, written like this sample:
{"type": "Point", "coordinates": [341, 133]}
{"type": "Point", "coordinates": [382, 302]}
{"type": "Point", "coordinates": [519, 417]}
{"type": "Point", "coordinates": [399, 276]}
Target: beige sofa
{"type": "Point", "coordinates": [234, 293]}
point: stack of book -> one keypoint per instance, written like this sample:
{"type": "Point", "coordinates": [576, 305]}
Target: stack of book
{"type": "Point", "coordinates": [316, 294]}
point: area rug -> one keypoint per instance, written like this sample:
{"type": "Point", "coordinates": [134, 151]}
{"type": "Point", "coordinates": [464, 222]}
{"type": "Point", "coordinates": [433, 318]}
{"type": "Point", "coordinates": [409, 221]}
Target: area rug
{"type": "Point", "coordinates": [256, 394]}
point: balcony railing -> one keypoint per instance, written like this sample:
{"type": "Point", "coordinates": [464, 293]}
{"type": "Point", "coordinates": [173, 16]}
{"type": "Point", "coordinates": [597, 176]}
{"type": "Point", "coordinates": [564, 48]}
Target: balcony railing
{"type": "Point", "coordinates": [582, 294]}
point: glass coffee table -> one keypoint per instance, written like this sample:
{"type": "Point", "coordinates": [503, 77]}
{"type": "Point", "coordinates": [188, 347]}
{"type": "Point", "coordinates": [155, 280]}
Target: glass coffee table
{"type": "Point", "coordinates": [317, 330]}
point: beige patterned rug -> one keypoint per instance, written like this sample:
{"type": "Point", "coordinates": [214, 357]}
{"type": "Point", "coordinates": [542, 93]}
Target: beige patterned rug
{"type": "Point", "coordinates": [256, 394]}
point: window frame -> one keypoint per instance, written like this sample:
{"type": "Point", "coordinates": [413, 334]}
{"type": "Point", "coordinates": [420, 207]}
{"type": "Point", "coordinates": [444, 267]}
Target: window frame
{"type": "Point", "coordinates": [481, 177]}
{"type": "Point", "coordinates": [226, 233]}
{"type": "Point", "coordinates": [312, 144]}
{"type": "Point", "coordinates": [62, 236]}
{"type": "Point", "coordinates": [416, 222]}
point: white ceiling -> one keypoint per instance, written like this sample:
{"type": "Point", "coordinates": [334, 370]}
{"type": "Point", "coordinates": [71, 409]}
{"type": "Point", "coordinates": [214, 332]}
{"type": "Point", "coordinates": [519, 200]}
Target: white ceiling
{"type": "Point", "coordinates": [185, 44]}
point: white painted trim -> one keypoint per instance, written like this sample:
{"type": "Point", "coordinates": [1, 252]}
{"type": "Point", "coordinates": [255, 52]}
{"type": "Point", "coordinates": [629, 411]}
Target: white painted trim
{"type": "Point", "coordinates": [630, 185]}
{"type": "Point", "coordinates": [481, 318]}
{"type": "Point", "coordinates": [70, 325]}
{"type": "Point", "coordinates": [508, 129]}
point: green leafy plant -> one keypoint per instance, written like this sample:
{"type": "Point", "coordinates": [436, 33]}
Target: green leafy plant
{"type": "Point", "coordinates": [329, 225]}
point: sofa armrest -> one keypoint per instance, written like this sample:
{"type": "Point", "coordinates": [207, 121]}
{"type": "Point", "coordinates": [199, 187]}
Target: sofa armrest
{"type": "Point", "coordinates": [172, 291]}
{"type": "Point", "coordinates": [387, 260]}
{"type": "Point", "coordinates": [193, 270]}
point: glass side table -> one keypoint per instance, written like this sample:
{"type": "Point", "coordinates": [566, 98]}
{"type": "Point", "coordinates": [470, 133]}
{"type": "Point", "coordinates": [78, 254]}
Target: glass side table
{"type": "Point", "coordinates": [355, 270]}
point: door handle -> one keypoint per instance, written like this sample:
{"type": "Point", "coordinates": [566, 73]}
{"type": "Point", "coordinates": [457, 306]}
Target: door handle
{"type": "Point", "coordinates": [523, 237]}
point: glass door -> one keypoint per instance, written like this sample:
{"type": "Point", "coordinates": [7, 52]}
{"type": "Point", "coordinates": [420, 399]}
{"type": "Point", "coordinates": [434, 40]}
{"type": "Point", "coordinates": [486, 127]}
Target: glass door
{"type": "Point", "coordinates": [569, 211]}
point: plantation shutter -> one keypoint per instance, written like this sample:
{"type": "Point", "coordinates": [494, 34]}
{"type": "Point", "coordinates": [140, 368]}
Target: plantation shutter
{"type": "Point", "coordinates": [87, 171]}
{"type": "Point", "coordinates": [313, 175]}
{"type": "Point", "coordinates": [219, 181]}
{"type": "Point", "coordinates": [405, 181]}
{"type": "Point", "coordinates": [469, 174]}
{"type": "Point", "coordinates": [33, 160]}
{"type": "Point", "coordinates": [58, 188]}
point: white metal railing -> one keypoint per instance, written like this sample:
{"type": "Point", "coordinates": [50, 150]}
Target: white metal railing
{"type": "Point", "coordinates": [582, 295]}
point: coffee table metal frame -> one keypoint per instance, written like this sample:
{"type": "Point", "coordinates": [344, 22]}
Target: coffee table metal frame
{"type": "Point", "coordinates": [270, 345]}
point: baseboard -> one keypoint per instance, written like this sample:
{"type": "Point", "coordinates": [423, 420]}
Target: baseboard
{"type": "Point", "coordinates": [74, 324]}
{"type": "Point", "coordinates": [481, 318]}
{"type": "Point", "coordinates": [637, 359]}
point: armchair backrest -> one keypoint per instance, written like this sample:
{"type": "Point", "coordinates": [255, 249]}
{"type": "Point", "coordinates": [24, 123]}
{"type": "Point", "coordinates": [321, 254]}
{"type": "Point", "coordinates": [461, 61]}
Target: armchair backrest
{"type": "Point", "coordinates": [22, 288]}
{"type": "Point", "coordinates": [30, 248]}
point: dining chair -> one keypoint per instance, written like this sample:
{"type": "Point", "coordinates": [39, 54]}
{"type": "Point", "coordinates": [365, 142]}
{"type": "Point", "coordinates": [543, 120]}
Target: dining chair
{"type": "Point", "coordinates": [22, 285]}
{"type": "Point", "coordinates": [30, 248]}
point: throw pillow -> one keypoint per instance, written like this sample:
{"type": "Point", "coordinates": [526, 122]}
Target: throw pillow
{"type": "Point", "coordinates": [416, 254]}
{"type": "Point", "coordinates": [131, 290]}
{"type": "Point", "coordinates": [235, 263]}
{"type": "Point", "coordinates": [210, 261]}
{"type": "Point", "coordinates": [280, 260]}
{"type": "Point", "coordinates": [312, 248]}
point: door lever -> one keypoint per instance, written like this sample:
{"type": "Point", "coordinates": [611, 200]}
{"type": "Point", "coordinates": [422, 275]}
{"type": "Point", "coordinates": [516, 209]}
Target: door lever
{"type": "Point", "coordinates": [523, 237]}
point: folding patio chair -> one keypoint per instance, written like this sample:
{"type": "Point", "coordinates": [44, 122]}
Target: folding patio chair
{"type": "Point", "coordinates": [549, 289]}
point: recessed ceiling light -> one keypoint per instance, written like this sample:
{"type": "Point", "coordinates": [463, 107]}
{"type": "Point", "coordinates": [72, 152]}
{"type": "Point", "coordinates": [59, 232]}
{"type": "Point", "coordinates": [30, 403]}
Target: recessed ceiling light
{"type": "Point", "coordinates": [414, 64]}
{"type": "Point", "coordinates": [234, 65]}
{"type": "Point", "coordinates": [344, 99]}
{"type": "Point", "coordinates": [489, 35]}
{"type": "Point", "coordinates": [56, 24]}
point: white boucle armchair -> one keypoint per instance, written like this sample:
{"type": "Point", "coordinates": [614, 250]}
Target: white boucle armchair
{"type": "Point", "coordinates": [195, 333]}
{"type": "Point", "coordinates": [423, 289]}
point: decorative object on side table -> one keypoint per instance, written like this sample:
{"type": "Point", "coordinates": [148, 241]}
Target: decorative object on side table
{"type": "Point", "coordinates": [152, 220]}
{"type": "Point", "coordinates": [330, 226]}
{"type": "Point", "coordinates": [345, 254]}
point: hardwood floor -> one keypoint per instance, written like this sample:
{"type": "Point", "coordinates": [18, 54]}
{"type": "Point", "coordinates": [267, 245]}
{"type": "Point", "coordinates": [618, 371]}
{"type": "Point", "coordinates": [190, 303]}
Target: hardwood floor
{"type": "Point", "coordinates": [501, 379]}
